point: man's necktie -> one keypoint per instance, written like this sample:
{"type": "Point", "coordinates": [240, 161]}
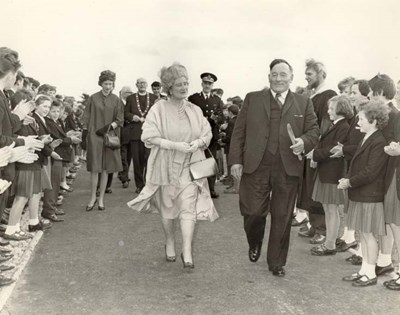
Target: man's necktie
{"type": "Point", "coordinates": [277, 96]}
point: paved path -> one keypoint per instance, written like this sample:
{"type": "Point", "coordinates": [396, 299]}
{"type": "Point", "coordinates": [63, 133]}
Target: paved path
{"type": "Point", "coordinates": [113, 262]}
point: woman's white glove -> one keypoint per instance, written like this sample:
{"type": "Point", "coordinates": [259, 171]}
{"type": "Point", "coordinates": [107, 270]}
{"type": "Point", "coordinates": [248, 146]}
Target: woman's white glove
{"type": "Point", "coordinates": [178, 146]}
{"type": "Point", "coordinates": [24, 155]}
{"type": "Point", "coordinates": [5, 154]}
{"type": "Point", "coordinates": [196, 144]}
{"type": "Point", "coordinates": [4, 185]}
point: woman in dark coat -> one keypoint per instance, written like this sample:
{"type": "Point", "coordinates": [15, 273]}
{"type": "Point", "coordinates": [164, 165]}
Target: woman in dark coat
{"type": "Point", "coordinates": [103, 110]}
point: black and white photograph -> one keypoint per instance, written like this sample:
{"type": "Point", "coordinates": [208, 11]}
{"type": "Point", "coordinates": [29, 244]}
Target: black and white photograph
{"type": "Point", "coordinates": [203, 157]}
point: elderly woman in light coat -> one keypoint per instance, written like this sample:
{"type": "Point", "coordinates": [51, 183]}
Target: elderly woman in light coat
{"type": "Point", "coordinates": [177, 133]}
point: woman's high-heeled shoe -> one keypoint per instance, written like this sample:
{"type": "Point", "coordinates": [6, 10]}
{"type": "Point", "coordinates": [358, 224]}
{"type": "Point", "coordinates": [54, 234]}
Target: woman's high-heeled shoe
{"type": "Point", "coordinates": [169, 258]}
{"type": "Point", "coordinates": [188, 265]}
{"type": "Point", "coordinates": [90, 207]}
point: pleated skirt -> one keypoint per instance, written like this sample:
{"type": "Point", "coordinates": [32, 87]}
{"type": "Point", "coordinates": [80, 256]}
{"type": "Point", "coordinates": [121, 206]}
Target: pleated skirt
{"type": "Point", "coordinates": [366, 217]}
{"type": "Point", "coordinates": [327, 193]}
{"type": "Point", "coordinates": [27, 183]}
{"type": "Point", "coordinates": [391, 204]}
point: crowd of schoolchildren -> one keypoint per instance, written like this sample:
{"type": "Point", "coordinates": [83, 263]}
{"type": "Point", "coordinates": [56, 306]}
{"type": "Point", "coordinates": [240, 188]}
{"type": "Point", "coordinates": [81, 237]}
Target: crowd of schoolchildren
{"type": "Point", "coordinates": [356, 179]}
{"type": "Point", "coordinates": [39, 152]}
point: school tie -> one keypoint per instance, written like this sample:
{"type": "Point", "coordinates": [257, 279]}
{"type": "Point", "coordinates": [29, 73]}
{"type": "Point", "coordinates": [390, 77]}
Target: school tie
{"type": "Point", "coordinates": [277, 96]}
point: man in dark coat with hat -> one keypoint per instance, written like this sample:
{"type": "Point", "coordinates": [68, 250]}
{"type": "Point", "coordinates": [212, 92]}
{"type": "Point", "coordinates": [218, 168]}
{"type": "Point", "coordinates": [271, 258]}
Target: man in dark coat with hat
{"type": "Point", "coordinates": [212, 106]}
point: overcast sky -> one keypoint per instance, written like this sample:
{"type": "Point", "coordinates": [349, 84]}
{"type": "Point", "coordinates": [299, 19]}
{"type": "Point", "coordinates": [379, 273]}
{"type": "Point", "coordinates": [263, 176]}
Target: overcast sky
{"type": "Point", "coordinates": [68, 43]}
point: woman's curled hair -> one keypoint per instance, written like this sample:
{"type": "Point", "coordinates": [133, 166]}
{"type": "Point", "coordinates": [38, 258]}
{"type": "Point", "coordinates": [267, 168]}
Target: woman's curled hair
{"type": "Point", "coordinates": [168, 75]}
{"type": "Point", "coordinates": [377, 110]}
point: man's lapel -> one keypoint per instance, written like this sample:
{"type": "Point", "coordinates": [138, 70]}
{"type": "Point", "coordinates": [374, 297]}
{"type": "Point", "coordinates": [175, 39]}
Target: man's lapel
{"type": "Point", "coordinates": [266, 100]}
{"type": "Point", "coordinates": [288, 103]}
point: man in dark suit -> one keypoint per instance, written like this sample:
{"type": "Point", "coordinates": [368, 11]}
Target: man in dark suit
{"type": "Point", "coordinates": [126, 156]}
{"type": "Point", "coordinates": [269, 165]}
{"type": "Point", "coordinates": [212, 106]}
{"type": "Point", "coordinates": [136, 109]}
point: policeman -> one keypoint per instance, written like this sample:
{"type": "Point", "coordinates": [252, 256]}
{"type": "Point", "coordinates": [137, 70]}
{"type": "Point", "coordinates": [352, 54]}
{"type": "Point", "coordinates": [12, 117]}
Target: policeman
{"type": "Point", "coordinates": [212, 106]}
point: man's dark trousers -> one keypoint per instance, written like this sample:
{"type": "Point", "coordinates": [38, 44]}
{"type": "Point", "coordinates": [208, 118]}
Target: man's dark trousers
{"type": "Point", "coordinates": [126, 162]}
{"type": "Point", "coordinates": [269, 190]}
{"type": "Point", "coordinates": [140, 155]}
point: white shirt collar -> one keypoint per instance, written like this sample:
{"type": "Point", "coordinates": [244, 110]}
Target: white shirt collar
{"type": "Point", "coordinates": [337, 120]}
{"type": "Point", "coordinates": [283, 96]}
{"type": "Point", "coordinates": [41, 118]}
{"type": "Point", "coordinates": [205, 95]}
{"type": "Point", "coordinates": [320, 89]}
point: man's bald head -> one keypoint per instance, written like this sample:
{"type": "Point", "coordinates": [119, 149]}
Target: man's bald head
{"type": "Point", "coordinates": [141, 85]}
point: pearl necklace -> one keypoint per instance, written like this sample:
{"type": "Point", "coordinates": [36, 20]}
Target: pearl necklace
{"type": "Point", "coordinates": [147, 104]}
{"type": "Point", "coordinates": [181, 111]}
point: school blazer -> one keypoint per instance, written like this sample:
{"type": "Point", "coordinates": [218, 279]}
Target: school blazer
{"type": "Point", "coordinates": [57, 132]}
{"type": "Point", "coordinates": [330, 170]}
{"type": "Point", "coordinates": [9, 125]}
{"type": "Point", "coordinates": [43, 130]}
{"type": "Point", "coordinates": [394, 161]}
{"type": "Point", "coordinates": [367, 170]}
{"type": "Point", "coordinates": [353, 138]}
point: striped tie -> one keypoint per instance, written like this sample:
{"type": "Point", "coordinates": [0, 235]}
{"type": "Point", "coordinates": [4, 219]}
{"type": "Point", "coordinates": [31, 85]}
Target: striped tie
{"type": "Point", "coordinates": [277, 96]}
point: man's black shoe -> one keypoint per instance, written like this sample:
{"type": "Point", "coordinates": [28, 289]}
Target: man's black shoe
{"type": "Point", "coordinates": [277, 271]}
{"type": "Point", "coordinates": [255, 252]}
{"type": "Point", "coordinates": [213, 194]}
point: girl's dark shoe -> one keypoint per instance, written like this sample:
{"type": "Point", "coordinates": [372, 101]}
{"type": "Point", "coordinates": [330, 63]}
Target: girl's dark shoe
{"type": "Point", "coordinates": [35, 228]}
{"type": "Point", "coordinates": [365, 283]}
{"type": "Point", "coordinates": [397, 277]}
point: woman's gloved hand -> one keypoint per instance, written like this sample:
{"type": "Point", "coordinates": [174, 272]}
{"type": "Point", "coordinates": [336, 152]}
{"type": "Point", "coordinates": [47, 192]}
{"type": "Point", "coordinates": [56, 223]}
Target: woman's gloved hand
{"type": "Point", "coordinates": [102, 131]}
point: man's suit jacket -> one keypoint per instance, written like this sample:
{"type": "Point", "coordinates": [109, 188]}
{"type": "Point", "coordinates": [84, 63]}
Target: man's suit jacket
{"type": "Point", "coordinates": [367, 170]}
{"type": "Point", "coordinates": [251, 132]}
{"type": "Point", "coordinates": [330, 170]}
{"type": "Point", "coordinates": [131, 109]}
